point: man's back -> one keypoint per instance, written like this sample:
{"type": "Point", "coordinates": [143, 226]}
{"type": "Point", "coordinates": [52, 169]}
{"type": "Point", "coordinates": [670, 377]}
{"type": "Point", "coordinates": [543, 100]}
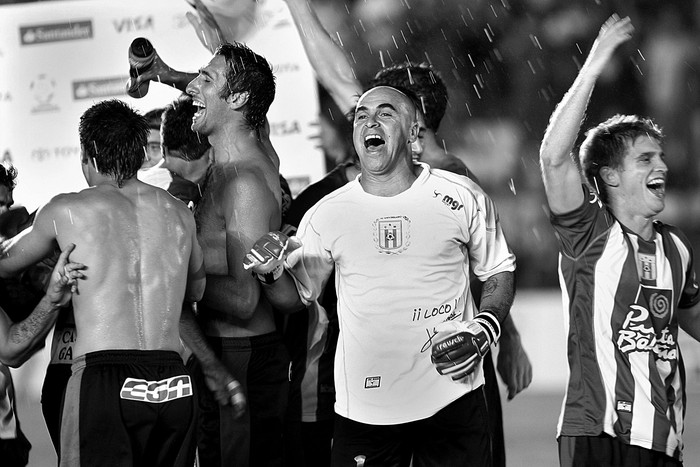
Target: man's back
{"type": "Point", "coordinates": [136, 284]}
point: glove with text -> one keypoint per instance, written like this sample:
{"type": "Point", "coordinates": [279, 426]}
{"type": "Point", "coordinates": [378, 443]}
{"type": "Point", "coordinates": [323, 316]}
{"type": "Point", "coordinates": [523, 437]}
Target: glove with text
{"type": "Point", "coordinates": [266, 257]}
{"type": "Point", "coordinates": [461, 345]}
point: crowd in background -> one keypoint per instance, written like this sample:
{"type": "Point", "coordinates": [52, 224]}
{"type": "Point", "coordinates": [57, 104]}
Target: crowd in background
{"type": "Point", "coordinates": [507, 63]}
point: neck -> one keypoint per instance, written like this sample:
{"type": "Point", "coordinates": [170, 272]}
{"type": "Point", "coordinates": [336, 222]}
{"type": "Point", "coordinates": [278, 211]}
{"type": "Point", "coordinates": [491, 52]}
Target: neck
{"type": "Point", "coordinates": [196, 170]}
{"type": "Point", "coordinates": [641, 225]}
{"type": "Point", "coordinates": [390, 184]}
{"type": "Point", "coordinates": [228, 143]}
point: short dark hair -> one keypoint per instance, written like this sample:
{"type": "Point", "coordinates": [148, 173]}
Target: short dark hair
{"type": "Point", "coordinates": [176, 130]}
{"type": "Point", "coordinates": [8, 176]}
{"type": "Point", "coordinates": [154, 118]}
{"type": "Point", "coordinates": [249, 72]}
{"type": "Point", "coordinates": [424, 82]}
{"type": "Point", "coordinates": [606, 144]}
{"type": "Point", "coordinates": [114, 136]}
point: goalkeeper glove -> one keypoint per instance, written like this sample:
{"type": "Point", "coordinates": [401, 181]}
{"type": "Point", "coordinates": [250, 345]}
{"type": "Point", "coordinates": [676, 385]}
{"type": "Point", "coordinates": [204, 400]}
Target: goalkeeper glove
{"type": "Point", "coordinates": [267, 256]}
{"type": "Point", "coordinates": [464, 344]}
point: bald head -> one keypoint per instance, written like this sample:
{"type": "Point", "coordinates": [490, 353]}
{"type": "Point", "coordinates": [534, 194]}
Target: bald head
{"type": "Point", "coordinates": [384, 127]}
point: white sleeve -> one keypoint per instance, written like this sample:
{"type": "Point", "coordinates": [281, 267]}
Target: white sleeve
{"type": "Point", "coordinates": [489, 253]}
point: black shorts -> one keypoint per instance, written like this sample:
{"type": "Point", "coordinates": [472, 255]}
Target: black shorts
{"type": "Point", "coordinates": [261, 366]}
{"type": "Point", "coordinates": [127, 408]}
{"type": "Point", "coordinates": [582, 451]}
{"type": "Point", "coordinates": [458, 435]}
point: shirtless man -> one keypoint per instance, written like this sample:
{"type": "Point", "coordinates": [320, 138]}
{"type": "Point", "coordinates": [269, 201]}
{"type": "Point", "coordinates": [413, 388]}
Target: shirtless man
{"type": "Point", "coordinates": [129, 399]}
{"type": "Point", "coordinates": [241, 201]}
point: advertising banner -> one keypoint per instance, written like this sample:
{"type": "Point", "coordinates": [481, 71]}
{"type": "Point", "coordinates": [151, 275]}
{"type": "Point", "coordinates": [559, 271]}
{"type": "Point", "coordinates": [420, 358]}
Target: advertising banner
{"type": "Point", "coordinates": [58, 58]}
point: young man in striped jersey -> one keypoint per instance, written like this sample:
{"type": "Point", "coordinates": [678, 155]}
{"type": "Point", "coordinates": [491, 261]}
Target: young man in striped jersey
{"type": "Point", "coordinates": [628, 281]}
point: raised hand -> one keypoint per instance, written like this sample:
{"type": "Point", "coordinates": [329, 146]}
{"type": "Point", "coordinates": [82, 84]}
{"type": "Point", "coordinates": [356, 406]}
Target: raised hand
{"type": "Point", "coordinates": [205, 26]}
{"type": "Point", "coordinates": [613, 32]}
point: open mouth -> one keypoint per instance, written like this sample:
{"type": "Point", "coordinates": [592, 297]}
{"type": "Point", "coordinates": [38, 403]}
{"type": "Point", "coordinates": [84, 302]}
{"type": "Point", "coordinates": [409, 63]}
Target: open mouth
{"type": "Point", "coordinates": [373, 141]}
{"type": "Point", "coordinates": [657, 186]}
{"type": "Point", "coordinates": [199, 112]}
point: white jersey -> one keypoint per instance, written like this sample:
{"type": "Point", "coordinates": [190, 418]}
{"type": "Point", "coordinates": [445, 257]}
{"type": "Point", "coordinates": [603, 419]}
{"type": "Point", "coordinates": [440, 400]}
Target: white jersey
{"type": "Point", "coordinates": [402, 267]}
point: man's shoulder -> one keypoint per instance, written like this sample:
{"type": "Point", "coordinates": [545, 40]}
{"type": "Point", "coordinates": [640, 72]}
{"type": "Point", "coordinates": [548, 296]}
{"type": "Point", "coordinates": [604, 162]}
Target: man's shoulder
{"type": "Point", "coordinates": [231, 174]}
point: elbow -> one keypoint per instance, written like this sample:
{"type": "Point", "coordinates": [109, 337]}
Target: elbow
{"type": "Point", "coordinates": [248, 306]}
{"type": "Point", "coordinates": [13, 360]}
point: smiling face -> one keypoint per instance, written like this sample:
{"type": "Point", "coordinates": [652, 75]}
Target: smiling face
{"type": "Point", "coordinates": [383, 128]}
{"type": "Point", "coordinates": [205, 91]}
{"type": "Point", "coordinates": [641, 180]}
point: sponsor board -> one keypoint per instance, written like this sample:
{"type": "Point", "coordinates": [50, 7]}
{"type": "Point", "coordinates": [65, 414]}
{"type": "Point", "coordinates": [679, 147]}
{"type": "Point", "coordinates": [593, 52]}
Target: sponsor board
{"type": "Point", "coordinates": [99, 87]}
{"type": "Point", "coordinates": [55, 32]}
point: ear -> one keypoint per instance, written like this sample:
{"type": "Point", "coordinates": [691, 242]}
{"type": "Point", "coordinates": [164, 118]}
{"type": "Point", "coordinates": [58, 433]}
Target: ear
{"type": "Point", "coordinates": [413, 133]}
{"type": "Point", "coordinates": [237, 99]}
{"type": "Point", "coordinates": [83, 157]}
{"type": "Point", "coordinates": [609, 176]}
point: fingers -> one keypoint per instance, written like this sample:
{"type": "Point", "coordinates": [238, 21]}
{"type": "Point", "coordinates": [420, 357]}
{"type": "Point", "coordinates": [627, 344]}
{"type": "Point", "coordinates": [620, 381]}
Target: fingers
{"type": "Point", "coordinates": [270, 247]}
{"type": "Point", "coordinates": [236, 398]}
{"type": "Point", "coordinates": [458, 370]}
{"type": "Point", "coordinates": [63, 257]}
{"type": "Point", "coordinates": [517, 377]}
{"type": "Point", "coordinates": [615, 24]}
{"type": "Point", "coordinates": [522, 381]}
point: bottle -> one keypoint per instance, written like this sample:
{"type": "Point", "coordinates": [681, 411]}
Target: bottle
{"type": "Point", "coordinates": [141, 57]}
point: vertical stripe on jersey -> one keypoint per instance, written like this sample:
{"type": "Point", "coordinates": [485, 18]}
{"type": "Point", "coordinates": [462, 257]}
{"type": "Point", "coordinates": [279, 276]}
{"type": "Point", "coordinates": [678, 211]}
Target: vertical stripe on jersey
{"type": "Point", "coordinates": [585, 381]}
{"type": "Point", "coordinates": [629, 367]}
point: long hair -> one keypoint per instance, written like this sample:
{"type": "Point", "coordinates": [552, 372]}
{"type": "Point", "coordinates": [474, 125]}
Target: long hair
{"type": "Point", "coordinates": [113, 136]}
{"type": "Point", "coordinates": [606, 144]}
{"type": "Point", "coordinates": [249, 72]}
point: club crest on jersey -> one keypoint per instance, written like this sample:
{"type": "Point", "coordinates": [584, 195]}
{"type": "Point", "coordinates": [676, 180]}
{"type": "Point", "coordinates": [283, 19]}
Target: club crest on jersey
{"type": "Point", "coordinates": [647, 265]}
{"type": "Point", "coordinates": [156, 391]}
{"type": "Point", "coordinates": [392, 234]}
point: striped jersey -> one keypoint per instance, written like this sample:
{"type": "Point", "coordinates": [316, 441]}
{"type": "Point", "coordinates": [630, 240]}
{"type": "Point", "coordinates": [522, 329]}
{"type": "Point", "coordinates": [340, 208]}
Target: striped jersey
{"type": "Point", "coordinates": [401, 268]}
{"type": "Point", "coordinates": [622, 293]}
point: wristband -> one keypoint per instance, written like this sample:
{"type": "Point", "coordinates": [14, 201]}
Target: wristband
{"type": "Point", "coordinates": [488, 320]}
{"type": "Point", "coordinates": [270, 277]}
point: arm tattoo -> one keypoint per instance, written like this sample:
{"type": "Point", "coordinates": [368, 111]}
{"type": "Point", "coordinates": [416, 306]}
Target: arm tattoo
{"type": "Point", "coordinates": [34, 325]}
{"type": "Point", "coordinates": [497, 294]}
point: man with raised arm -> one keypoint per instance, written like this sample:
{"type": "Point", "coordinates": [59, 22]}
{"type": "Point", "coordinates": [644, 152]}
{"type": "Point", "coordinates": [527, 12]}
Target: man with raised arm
{"type": "Point", "coordinates": [408, 362]}
{"type": "Point", "coordinates": [129, 399]}
{"type": "Point", "coordinates": [241, 201]}
{"type": "Point", "coordinates": [627, 280]}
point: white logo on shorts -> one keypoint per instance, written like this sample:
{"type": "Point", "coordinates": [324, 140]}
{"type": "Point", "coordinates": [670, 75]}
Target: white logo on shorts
{"type": "Point", "coordinates": [156, 391]}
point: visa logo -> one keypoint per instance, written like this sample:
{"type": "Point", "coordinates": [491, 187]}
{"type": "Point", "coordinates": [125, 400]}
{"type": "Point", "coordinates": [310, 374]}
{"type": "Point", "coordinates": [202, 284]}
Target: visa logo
{"type": "Point", "coordinates": [137, 23]}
